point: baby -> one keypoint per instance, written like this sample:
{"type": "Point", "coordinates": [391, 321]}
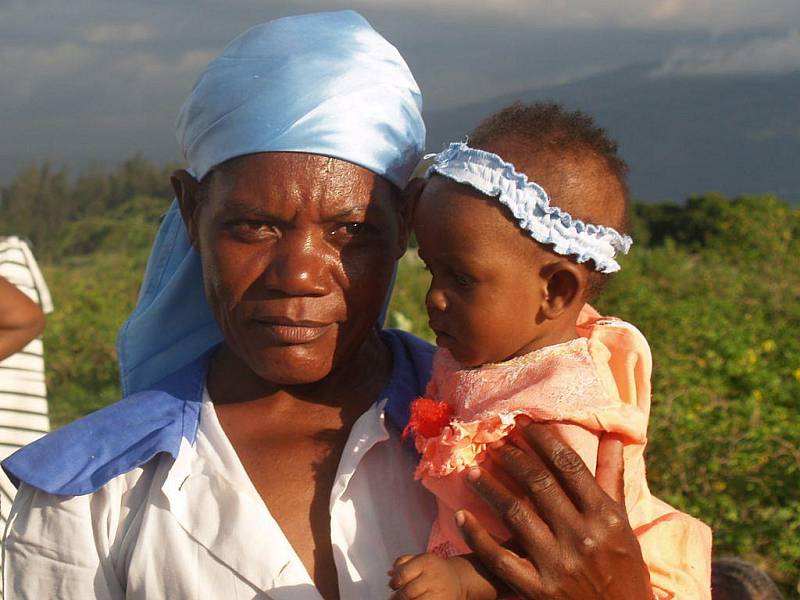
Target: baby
{"type": "Point", "coordinates": [519, 230]}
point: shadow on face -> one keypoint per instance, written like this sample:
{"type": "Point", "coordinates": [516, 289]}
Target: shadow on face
{"type": "Point", "coordinates": [297, 253]}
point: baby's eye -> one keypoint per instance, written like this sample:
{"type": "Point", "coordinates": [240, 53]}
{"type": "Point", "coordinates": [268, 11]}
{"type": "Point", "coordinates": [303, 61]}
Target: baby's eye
{"type": "Point", "coordinates": [463, 280]}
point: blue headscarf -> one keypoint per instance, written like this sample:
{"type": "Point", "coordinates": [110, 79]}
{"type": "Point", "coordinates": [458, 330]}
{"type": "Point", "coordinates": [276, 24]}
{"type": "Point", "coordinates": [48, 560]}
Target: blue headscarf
{"type": "Point", "coordinates": [324, 83]}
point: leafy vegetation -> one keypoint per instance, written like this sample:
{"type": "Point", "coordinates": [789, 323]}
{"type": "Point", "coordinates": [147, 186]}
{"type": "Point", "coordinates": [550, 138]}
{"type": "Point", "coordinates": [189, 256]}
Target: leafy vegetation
{"type": "Point", "coordinates": [714, 284]}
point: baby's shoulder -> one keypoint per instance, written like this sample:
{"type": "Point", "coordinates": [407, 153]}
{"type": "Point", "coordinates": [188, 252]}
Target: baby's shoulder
{"type": "Point", "coordinates": [614, 337]}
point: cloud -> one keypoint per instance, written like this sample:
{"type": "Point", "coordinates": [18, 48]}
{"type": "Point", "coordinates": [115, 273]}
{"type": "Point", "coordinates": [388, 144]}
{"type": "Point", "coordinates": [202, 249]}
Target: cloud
{"type": "Point", "coordinates": [708, 15]}
{"type": "Point", "coordinates": [105, 78]}
{"type": "Point", "coordinates": [23, 68]}
{"type": "Point", "coordinates": [135, 32]}
{"type": "Point", "coordinates": [151, 68]}
{"type": "Point", "coordinates": [760, 55]}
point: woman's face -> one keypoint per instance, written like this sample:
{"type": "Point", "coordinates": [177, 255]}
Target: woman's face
{"type": "Point", "coordinates": [297, 253]}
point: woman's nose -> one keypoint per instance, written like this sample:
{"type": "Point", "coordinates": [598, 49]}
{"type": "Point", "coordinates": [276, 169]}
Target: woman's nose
{"type": "Point", "coordinates": [435, 299]}
{"type": "Point", "coordinates": [299, 265]}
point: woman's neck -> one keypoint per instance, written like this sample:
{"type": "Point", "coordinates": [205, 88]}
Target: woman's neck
{"type": "Point", "coordinates": [350, 388]}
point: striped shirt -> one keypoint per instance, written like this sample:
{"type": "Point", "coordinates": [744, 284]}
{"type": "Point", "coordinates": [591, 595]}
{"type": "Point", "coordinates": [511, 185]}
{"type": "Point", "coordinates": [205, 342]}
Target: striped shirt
{"type": "Point", "coordinates": [23, 395]}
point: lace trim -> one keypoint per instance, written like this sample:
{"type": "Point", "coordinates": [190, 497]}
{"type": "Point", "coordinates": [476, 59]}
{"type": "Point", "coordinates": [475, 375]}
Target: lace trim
{"type": "Point", "coordinates": [529, 203]}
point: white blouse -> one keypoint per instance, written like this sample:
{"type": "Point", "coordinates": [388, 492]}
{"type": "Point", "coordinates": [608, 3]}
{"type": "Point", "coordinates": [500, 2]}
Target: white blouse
{"type": "Point", "coordinates": [195, 527]}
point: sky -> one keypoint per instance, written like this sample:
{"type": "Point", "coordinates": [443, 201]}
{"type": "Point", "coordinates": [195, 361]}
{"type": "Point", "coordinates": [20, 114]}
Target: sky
{"type": "Point", "coordinates": [96, 81]}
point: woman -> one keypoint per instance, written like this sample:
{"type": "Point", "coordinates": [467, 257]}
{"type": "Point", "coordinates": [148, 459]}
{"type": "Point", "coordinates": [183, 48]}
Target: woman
{"type": "Point", "coordinates": [270, 464]}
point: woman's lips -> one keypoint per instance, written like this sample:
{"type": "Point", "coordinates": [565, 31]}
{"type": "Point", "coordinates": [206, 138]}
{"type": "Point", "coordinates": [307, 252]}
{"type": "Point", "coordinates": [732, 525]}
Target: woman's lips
{"type": "Point", "coordinates": [287, 332]}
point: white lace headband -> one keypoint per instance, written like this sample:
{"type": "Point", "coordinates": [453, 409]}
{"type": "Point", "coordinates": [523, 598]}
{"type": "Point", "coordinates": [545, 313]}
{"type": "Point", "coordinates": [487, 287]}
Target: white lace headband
{"type": "Point", "coordinates": [529, 203]}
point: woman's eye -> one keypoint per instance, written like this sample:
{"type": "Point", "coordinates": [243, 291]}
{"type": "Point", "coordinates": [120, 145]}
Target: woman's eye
{"type": "Point", "coordinates": [350, 229]}
{"type": "Point", "coordinates": [353, 228]}
{"type": "Point", "coordinates": [248, 229]}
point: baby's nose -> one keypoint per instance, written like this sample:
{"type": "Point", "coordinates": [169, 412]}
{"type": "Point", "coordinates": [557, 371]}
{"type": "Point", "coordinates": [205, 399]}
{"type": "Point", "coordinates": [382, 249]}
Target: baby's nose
{"type": "Point", "coordinates": [435, 300]}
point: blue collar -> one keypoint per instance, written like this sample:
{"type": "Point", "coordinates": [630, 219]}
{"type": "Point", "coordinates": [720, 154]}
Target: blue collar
{"type": "Point", "coordinates": [83, 456]}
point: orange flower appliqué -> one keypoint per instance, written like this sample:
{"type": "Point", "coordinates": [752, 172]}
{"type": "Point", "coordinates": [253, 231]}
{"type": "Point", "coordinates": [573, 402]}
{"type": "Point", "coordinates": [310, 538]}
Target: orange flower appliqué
{"type": "Point", "coordinates": [428, 418]}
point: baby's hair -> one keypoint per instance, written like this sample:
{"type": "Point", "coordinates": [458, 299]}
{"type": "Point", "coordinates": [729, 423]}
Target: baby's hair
{"type": "Point", "coordinates": [736, 579]}
{"type": "Point", "coordinates": [547, 129]}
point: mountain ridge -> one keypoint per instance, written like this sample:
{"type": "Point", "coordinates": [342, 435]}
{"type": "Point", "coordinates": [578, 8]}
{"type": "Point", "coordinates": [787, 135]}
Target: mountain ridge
{"type": "Point", "coordinates": [732, 134]}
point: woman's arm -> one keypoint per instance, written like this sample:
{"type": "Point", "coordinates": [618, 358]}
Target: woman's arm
{"type": "Point", "coordinates": [21, 319]}
{"type": "Point", "coordinates": [571, 527]}
{"type": "Point", "coordinates": [58, 547]}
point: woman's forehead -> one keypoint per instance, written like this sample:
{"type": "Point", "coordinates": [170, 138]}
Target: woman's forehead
{"type": "Point", "coordinates": [292, 180]}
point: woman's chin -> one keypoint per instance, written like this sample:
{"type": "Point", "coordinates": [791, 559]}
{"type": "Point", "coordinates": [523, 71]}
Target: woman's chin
{"type": "Point", "coordinates": [294, 364]}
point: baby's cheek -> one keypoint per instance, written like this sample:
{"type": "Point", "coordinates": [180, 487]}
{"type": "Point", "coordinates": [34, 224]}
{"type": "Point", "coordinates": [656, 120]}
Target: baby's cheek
{"type": "Point", "coordinates": [468, 355]}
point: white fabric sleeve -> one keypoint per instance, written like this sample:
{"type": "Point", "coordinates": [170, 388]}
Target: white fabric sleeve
{"type": "Point", "coordinates": [60, 546]}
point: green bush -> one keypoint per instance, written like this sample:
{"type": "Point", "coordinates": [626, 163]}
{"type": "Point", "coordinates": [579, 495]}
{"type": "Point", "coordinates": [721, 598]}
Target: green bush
{"type": "Point", "coordinates": [92, 298]}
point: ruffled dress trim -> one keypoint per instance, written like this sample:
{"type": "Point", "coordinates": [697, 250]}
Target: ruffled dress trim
{"type": "Point", "coordinates": [466, 409]}
{"type": "Point", "coordinates": [529, 203]}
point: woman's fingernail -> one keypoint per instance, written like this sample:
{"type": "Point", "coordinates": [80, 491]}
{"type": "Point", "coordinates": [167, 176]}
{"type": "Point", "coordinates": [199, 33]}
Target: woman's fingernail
{"type": "Point", "coordinates": [459, 517]}
{"type": "Point", "coordinates": [474, 474]}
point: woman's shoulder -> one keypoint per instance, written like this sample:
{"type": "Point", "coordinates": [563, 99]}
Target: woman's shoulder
{"type": "Point", "coordinates": [409, 348]}
{"type": "Point", "coordinates": [84, 455]}
{"type": "Point", "coordinates": [411, 370]}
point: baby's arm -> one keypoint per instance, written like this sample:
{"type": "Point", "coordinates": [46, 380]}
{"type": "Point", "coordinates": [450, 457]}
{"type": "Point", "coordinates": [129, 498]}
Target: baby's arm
{"type": "Point", "coordinates": [431, 577]}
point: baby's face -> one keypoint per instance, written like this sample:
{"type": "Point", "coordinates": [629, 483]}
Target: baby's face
{"type": "Point", "coordinates": [486, 290]}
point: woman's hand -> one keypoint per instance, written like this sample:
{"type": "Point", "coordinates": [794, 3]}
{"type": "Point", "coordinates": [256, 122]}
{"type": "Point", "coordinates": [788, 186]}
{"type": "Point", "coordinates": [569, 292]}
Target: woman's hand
{"type": "Point", "coordinates": [570, 528]}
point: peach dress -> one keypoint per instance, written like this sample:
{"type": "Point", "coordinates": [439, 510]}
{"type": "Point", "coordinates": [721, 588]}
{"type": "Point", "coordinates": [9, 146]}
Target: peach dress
{"type": "Point", "coordinates": [598, 382]}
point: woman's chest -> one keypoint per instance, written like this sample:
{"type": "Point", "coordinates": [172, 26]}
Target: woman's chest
{"type": "Point", "coordinates": [207, 533]}
{"type": "Point", "coordinates": [294, 478]}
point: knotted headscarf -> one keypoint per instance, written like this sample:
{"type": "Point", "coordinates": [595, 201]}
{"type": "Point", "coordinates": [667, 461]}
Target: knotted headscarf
{"type": "Point", "coordinates": [324, 83]}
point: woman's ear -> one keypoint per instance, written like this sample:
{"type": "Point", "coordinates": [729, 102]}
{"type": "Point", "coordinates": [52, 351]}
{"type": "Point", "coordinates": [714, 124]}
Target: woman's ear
{"type": "Point", "coordinates": [566, 287]}
{"type": "Point", "coordinates": [408, 203]}
{"type": "Point", "coordinates": [187, 192]}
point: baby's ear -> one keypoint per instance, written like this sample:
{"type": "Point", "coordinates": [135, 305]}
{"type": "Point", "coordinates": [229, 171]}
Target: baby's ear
{"type": "Point", "coordinates": [566, 287]}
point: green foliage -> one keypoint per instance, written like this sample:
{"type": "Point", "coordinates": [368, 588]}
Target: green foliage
{"type": "Point", "coordinates": [126, 229]}
{"type": "Point", "coordinates": [724, 433]}
{"type": "Point", "coordinates": [714, 285]}
{"type": "Point", "coordinates": [41, 203]}
{"type": "Point", "coordinates": [92, 297]}
{"type": "Point", "coordinates": [92, 237]}
{"type": "Point", "coordinates": [407, 308]}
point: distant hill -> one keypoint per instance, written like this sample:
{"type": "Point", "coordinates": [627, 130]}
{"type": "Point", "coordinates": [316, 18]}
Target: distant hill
{"type": "Point", "coordinates": [681, 135]}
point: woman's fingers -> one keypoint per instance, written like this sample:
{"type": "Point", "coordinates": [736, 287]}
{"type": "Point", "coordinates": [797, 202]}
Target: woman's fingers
{"type": "Point", "coordinates": [412, 591]}
{"type": "Point", "coordinates": [516, 572]}
{"type": "Point", "coordinates": [537, 481]}
{"type": "Point", "coordinates": [564, 464]}
{"type": "Point", "coordinates": [404, 571]}
{"type": "Point", "coordinates": [516, 513]}
{"type": "Point", "coordinates": [572, 529]}
{"type": "Point", "coordinates": [610, 474]}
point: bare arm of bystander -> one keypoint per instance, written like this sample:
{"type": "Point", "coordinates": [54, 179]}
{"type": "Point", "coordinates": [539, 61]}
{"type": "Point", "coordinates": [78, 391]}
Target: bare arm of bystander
{"type": "Point", "coordinates": [21, 319]}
